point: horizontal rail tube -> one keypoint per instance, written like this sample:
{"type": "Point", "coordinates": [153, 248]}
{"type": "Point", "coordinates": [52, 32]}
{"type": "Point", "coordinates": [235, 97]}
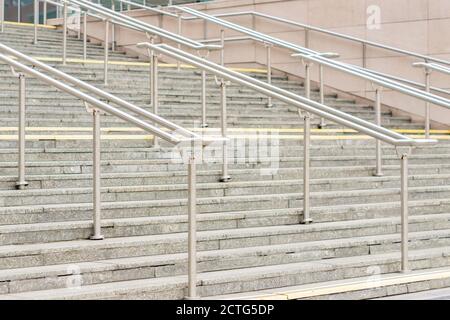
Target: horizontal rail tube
{"type": "Point", "coordinates": [306, 53]}
{"type": "Point", "coordinates": [290, 98]}
{"type": "Point", "coordinates": [142, 112]}
{"type": "Point", "coordinates": [328, 32]}
{"type": "Point", "coordinates": [129, 21]}
{"type": "Point", "coordinates": [92, 101]}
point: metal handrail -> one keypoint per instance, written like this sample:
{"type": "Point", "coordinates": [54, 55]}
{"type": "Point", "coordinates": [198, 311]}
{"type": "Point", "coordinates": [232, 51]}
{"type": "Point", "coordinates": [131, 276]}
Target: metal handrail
{"type": "Point", "coordinates": [115, 18]}
{"type": "Point", "coordinates": [309, 56]}
{"type": "Point", "coordinates": [402, 143]}
{"type": "Point", "coordinates": [301, 25]}
{"type": "Point", "coordinates": [142, 26]}
{"type": "Point", "coordinates": [288, 97]}
{"type": "Point", "coordinates": [94, 106]}
{"type": "Point", "coordinates": [103, 94]}
{"type": "Point", "coordinates": [305, 53]}
{"type": "Point", "coordinates": [428, 68]}
{"type": "Point", "coordinates": [328, 32]}
{"type": "Point", "coordinates": [433, 66]}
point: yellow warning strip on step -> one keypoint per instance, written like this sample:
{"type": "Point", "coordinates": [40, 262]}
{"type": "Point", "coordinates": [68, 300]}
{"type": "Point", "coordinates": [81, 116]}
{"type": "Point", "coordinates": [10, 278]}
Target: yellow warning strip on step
{"type": "Point", "coordinates": [150, 137]}
{"type": "Point", "coordinates": [344, 286]}
{"type": "Point", "coordinates": [138, 64]}
{"type": "Point", "coordinates": [31, 25]}
{"type": "Point", "coordinates": [255, 130]}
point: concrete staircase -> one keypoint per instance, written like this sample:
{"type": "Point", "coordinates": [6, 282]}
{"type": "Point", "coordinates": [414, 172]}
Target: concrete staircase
{"type": "Point", "coordinates": [250, 238]}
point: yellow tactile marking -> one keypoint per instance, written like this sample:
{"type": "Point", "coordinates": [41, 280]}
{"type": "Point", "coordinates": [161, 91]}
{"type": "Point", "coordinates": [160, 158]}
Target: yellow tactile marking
{"type": "Point", "coordinates": [138, 64]}
{"type": "Point", "coordinates": [238, 136]}
{"type": "Point", "coordinates": [276, 130]}
{"type": "Point", "coordinates": [31, 25]}
{"type": "Point", "coordinates": [355, 285]}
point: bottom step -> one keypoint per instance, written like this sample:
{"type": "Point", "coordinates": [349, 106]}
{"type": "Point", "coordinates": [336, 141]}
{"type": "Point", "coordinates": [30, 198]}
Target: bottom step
{"type": "Point", "coordinates": [361, 277]}
{"type": "Point", "coordinates": [393, 285]}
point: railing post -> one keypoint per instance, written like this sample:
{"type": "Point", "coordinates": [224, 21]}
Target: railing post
{"type": "Point", "coordinates": [64, 58]}
{"type": "Point", "coordinates": [84, 35]}
{"type": "Point", "coordinates": [79, 26]}
{"type": "Point", "coordinates": [179, 29]}
{"type": "Point", "coordinates": [19, 10]}
{"type": "Point", "coordinates": [44, 21]}
{"type": "Point", "coordinates": [307, 80]}
{"type": "Point", "coordinates": [2, 15]}
{"type": "Point", "coordinates": [223, 116]}
{"type": "Point", "coordinates": [204, 123]}
{"type": "Point", "coordinates": [427, 104]}
{"type": "Point", "coordinates": [364, 55]}
{"type": "Point", "coordinates": [404, 210]}
{"type": "Point", "coordinates": [306, 169]}
{"type": "Point", "coordinates": [322, 123]}
{"type": "Point", "coordinates": [96, 192]}
{"type": "Point", "coordinates": [106, 51]}
{"type": "Point", "coordinates": [113, 29]}
{"type": "Point", "coordinates": [306, 38]}
{"type": "Point", "coordinates": [192, 226]}
{"type": "Point", "coordinates": [155, 98]}
{"type": "Point", "coordinates": [379, 164]}
{"type": "Point", "coordinates": [36, 20]}
{"type": "Point", "coordinates": [269, 71]}
{"type": "Point", "coordinates": [306, 149]}
{"type": "Point", "coordinates": [21, 183]}
{"type": "Point", "coordinates": [222, 44]}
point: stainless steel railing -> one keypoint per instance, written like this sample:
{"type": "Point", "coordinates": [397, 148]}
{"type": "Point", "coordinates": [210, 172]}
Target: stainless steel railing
{"type": "Point", "coordinates": [95, 106]}
{"type": "Point", "coordinates": [307, 107]}
{"type": "Point", "coordinates": [111, 18]}
{"type": "Point", "coordinates": [309, 56]}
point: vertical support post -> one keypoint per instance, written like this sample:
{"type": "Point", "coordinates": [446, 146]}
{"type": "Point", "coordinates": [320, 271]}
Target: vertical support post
{"type": "Point", "coordinates": [306, 169]}
{"type": "Point", "coordinates": [155, 98]}
{"type": "Point", "coordinates": [179, 26]}
{"type": "Point", "coordinates": [2, 15]}
{"type": "Point", "coordinates": [269, 72]}
{"type": "Point", "coordinates": [427, 104]}
{"type": "Point", "coordinates": [113, 28]}
{"type": "Point", "coordinates": [36, 20]}
{"type": "Point", "coordinates": [204, 123]}
{"type": "Point", "coordinates": [96, 192]}
{"type": "Point", "coordinates": [223, 116]}
{"type": "Point", "coordinates": [106, 51]}
{"type": "Point", "coordinates": [205, 29]}
{"type": "Point", "coordinates": [222, 50]}
{"type": "Point", "coordinates": [84, 35]}
{"type": "Point", "coordinates": [21, 184]}
{"type": "Point", "coordinates": [45, 12]}
{"type": "Point", "coordinates": [306, 149]}
{"type": "Point", "coordinates": [64, 58]}
{"type": "Point", "coordinates": [404, 210]}
{"type": "Point", "coordinates": [379, 165]}
{"type": "Point", "coordinates": [308, 80]}
{"type": "Point", "coordinates": [79, 26]}
{"type": "Point", "coordinates": [19, 10]}
{"type": "Point", "coordinates": [364, 55]}
{"type": "Point", "coordinates": [192, 225]}
{"type": "Point", "coordinates": [322, 123]}
{"type": "Point", "coordinates": [306, 38]}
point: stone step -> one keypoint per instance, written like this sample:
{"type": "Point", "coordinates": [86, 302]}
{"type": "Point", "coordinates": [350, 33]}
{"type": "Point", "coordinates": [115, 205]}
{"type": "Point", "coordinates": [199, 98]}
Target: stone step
{"type": "Point", "coordinates": [281, 187]}
{"type": "Point", "coordinates": [85, 154]}
{"type": "Point", "coordinates": [240, 280]}
{"type": "Point", "coordinates": [279, 211]}
{"type": "Point", "coordinates": [120, 269]}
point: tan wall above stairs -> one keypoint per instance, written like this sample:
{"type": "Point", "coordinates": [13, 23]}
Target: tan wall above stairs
{"type": "Point", "coordinates": [422, 26]}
